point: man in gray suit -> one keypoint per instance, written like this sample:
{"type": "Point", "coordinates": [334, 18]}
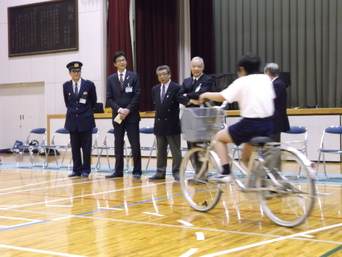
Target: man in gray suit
{"type": "Point", "coordinates": [166, 122]}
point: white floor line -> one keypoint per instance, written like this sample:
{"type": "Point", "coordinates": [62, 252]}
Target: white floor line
{"type": "Point", "coordinates": [272, 241]}
{"type": "Point", "coordinates": [41, 183]}
{"type": "Point", "coordinates": [79, 196]}
{"type": "Point", "coordinates": [189, 253]}
{"type": "Point", "coordinates": [13, 218]}
{"type": "Point", "coordinates": [295, 236]}
{"type": "Point", "coordinates": [200, 236]}
{"type": "Point", "coordinates": [155, 214]}
{"type": "Point", "coordinates": [42, 188]}
{"type": "Point", "coordinates": [185, 223]}
{"type": "Point", "coordinates": [38, 251]}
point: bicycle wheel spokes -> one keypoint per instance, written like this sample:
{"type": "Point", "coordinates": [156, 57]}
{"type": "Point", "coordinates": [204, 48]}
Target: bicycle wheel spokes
{"type": "Point", "coordinates": [287, 203]}
{"type": "Point", "coordinates": [200, 194]}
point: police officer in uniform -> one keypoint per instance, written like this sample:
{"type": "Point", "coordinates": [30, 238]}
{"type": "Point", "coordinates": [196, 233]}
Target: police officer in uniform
{"type": "Point", "coordinates": [80, 99]}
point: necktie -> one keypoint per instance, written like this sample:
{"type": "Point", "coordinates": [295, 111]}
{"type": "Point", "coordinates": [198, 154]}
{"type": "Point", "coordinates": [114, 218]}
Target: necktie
{"type": "Point", "coordinates": [76, 90]}
{"type": "Point", "coordinates": [163, 93]}
{"type": "Point", "coordinates": [121, 81]}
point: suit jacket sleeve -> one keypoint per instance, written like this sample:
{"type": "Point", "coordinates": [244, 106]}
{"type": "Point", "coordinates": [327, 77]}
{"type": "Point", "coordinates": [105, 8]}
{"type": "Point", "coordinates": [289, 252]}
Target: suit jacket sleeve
{"type": "Point", "coordinates": [206, 83]}
{"type": "Point", "coordinates": [185, 89]}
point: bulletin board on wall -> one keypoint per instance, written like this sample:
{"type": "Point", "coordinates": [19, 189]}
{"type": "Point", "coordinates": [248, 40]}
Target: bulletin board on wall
{"type": "Point", "coordinates": [46, 27]}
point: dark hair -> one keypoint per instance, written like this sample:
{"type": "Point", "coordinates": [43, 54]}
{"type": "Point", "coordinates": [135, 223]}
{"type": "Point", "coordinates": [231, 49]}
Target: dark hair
{"type": "Point", "coordinates": [118, 54]}
{"type": "Point", "coordinates": [250, 63]}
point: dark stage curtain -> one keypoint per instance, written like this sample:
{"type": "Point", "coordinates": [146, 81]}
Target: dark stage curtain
{"type": "Point", "coordinates": [156, 43]}
{"type": "Point", "coordinates": [202, 32]}
{"type": "Point", "coordinates": [118, 33]}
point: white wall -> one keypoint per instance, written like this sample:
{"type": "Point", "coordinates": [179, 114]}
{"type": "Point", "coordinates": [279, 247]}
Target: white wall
{"type": "Point", "coordinates": [50, 68]}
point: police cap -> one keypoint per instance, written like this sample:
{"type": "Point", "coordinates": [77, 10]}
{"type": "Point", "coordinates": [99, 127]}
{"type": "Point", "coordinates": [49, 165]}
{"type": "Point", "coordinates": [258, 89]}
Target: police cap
{"type": "Point", "coordinates": [76, 66]}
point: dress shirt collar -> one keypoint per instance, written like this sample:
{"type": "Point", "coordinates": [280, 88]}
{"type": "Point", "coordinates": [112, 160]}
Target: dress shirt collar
{"type": "Point", "coordinates": [274, 79]}
{"type": "Point", "coordinates": [166, 85]}
{"type": "Point", "coordinates": [124, 74]}
{"type": "Point", "coordinates": [197, 77]}
{"type": "Point", "coordinates": [78, 84]}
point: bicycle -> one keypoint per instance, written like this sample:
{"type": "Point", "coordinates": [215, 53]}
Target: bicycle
{"type": "Point", "coordinates": [284, 202]}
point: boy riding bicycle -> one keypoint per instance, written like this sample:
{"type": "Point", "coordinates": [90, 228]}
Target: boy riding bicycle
{"type": "Point", "coordinates": [255, 95]}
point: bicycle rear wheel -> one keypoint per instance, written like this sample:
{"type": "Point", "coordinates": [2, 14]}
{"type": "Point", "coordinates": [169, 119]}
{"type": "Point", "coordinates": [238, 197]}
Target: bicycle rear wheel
{"type": "Point", "coordinates": [288, 203]}
{"type": "Point", "coordinates": [200, 194]}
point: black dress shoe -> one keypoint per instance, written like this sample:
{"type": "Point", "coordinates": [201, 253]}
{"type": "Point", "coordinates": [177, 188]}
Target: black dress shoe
{"type": "Point", "coordinates": [114, 175]}
{"type": "Point", "coordinates": [85, 175]}
{"type": "Point", "coordinates": [74, 174]}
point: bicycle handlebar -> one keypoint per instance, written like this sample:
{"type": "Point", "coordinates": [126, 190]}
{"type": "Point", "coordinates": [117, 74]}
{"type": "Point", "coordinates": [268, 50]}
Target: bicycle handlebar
{"type": "Point", "coordinates": [208, 103]}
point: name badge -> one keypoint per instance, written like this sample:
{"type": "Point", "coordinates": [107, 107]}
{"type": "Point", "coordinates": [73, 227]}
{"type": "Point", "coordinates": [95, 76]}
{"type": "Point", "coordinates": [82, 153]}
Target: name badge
{"type": "Point", "coordinates": [83, 100]}
{"type": "Point", "coordinates": [198, 88]}
{"type": "Point", "coordinates": [128, 89]}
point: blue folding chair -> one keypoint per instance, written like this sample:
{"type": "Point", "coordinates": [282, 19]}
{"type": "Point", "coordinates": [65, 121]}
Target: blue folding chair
{"type": "Point", "coordinates": [34, 145]}
{"type": "Point", "coordinates": [107, 147]}
{"type": "Point", "coordinates": [59, 142]}
{"type": "Point", "coordinates": [326, 149]}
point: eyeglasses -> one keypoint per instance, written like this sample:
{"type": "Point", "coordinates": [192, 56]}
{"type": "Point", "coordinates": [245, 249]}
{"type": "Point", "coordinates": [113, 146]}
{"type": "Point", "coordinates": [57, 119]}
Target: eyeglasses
{"type": "Point", "coordinates": [162, 74]}
{"type": "Point", "coordinates": [121, 60]}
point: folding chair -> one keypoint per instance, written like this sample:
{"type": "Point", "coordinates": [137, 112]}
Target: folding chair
{"type": "Point", "coordinates": [34, 145]}
{"type": "Point", "coordinates": [296, 137]}
{"type": "Point", "coordinates": [300, 140]}
{"type": "Point", "coordinates": [325, 148]}
{"type": "Point", "coordinates": [107, 147]}
{"type": "Point", "coordinates": [236, 149]}
{"type": "Point", "coordinates": [148, 131]}
{"type": "Point", "coordinates": [60, 135]}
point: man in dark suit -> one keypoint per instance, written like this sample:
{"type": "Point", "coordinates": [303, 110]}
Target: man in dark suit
{"type": "Point", "coordinates": [166, 123]}
{"type": "Point", "coordinates": [192, 88]}
{"type": "Point", "coordinates": [80, 99]}
{"type": "Point", "coordinates": [281, 121]}
{"type": "Point", "coordinates": [123, 96]}
{"type": "Point", "coordinates": [197, 84]}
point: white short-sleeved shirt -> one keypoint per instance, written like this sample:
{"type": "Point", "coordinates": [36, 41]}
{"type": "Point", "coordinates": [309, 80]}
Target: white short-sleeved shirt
{"type": "Point", "coordinates": [254, 94]}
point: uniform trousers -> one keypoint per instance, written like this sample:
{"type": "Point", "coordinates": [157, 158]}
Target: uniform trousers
{"type": "Point", "coordinates": [174, 142]}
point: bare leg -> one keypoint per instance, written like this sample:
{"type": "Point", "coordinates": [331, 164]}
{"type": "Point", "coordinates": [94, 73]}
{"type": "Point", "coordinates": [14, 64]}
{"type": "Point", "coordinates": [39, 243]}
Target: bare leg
{"type": "Point", "coordinates": [246, 153]}
{"type": "Point", "coordinates": [222, 138]}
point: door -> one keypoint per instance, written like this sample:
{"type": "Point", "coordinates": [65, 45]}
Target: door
{"type": "Point", "coordinates": [22, 108]}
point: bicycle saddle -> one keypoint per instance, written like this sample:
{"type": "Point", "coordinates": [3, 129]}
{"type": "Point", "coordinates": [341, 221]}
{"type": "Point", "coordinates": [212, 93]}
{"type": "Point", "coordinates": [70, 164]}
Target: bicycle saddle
{"type": "Point", "coordinates": [259, 141]}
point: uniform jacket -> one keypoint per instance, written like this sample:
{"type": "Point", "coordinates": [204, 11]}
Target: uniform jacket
{"type": "Point", "coordinates": [166, 121]}
{"type": "Point", "coordinates": [281, 121]}
{"type": "Point", "coordinates": [80, 116]}
{"type": "Point", "coordinates": [128, 98]}
{"type": "Point", "coordinates": [194, 90]}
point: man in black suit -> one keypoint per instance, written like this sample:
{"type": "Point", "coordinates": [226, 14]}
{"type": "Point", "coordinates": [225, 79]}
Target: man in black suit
{"type": "Point", "coordinates": [281, 121]}
{"type": "Point", "coordinates": [80, 99]}
{"type": "Point", "coordinates": [192, 88]}
{"type": "Point", "coordinates": [123, 96]}
{"type": "Point", "coordinates": [166, 122]}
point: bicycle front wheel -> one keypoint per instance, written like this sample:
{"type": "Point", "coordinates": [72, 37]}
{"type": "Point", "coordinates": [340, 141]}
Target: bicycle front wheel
{"type": "Point", "coordinates": [200, 193]}
{"type": "Point", "coordinates": [288, 202]}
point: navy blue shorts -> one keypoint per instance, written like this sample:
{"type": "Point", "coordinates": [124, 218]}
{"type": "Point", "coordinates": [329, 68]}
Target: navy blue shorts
{"type": "Point", "coordinates": [248, 128]}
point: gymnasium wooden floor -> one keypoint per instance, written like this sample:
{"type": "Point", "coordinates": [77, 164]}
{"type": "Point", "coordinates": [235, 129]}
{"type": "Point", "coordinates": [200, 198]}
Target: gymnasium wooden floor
{"type": "Point", "coordinates": [45, 213]}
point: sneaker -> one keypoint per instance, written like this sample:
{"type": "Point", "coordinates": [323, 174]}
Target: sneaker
{"type": "Point", "coordinates": [222, 178]}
